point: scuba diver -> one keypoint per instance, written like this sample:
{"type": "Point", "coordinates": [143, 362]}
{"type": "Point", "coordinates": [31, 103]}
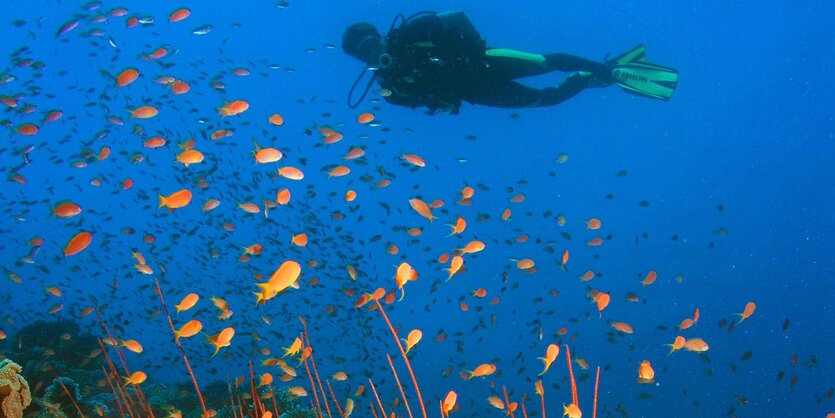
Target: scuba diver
{"type": "Point", "coordinates": [438, 60]}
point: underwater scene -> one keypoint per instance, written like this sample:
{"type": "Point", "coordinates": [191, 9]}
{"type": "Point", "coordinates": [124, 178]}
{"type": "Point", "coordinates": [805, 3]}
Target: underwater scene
{"type": "Point", "coordinates": [454, 209]}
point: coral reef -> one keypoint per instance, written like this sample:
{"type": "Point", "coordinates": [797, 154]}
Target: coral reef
{"type": "Point", "coordinates": [56, 354]}
{"type": "Point", "coordinates": [14, 390]}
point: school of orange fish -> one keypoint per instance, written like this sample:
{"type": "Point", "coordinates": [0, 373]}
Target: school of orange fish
{"type": "Point", "coordinates": [151, 163]}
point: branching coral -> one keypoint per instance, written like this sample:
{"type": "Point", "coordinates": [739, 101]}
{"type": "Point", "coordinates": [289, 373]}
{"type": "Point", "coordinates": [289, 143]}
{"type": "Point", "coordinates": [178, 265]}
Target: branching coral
{"type": "Point", "coordinates": [14, 391]}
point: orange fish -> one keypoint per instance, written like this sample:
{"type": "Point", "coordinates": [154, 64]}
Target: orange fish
{"type": "Point", "coordinates": [602, 301]}
{"type": "Point", "coordinates": [175, 200]}
{"type": "Point", "coordinates": [449, 402]}
{"type": "Point", "coordinates": [291, 173]}
{"type": "Point", "coordinates": [135, 378]}
{"type": "Point", "coordinates": [572, 411]}
{"type": "Point", "coordinates": [283, 277]}
{"type": "Point", "coordinates": [131, 345]}
{"type": "Point", "coordinates": [78, 243]}
{"type": "Point", "coordinates": [282, 197]}
{"type": "Point", "coordinates": [365, 117]}
{"type": "Point", "coordinates": [249, 207]}
{"type": "Point", "coordinates": [126, 77]}
{"type": "Point", "coordinates": [622, 327]}
{"type": "Point", "coordinates": [189, 329]}
{"type": "Point", "coordinates": [179, 14]}
{"type": "Point", "coordinates": [294, 348]}
{"type": "Point", "coordinates": [187, 302]}
{"type": "Point", "coordinates": [296, 391]}
{"type": "Point", "coordinates": [339, 171]}
{"type": "Point", "coordinates": [412, 339]}
{"type": "Point", "coordinates": [154, 142]}
{"type": "Point", "coordinates": [190, 156]}
{"type": "Point", "coordinates": [588, 275]}
{"type": "Point", "coordinates": [649, 278]}
{"type": "Point", "coordinates": [266, 155]}
{"type": "Point", "coordinates": [696, 344]}
{"type": "Point", "coordinates": [459, 225]}
{"type": "Point", "coordinates": [144, 112]}
{"type": "Point", "coordinates": [66, 209]}
{"type": "Point", "coordinates": [179, 87]}
{"type": "Point", "coordinates": [232, 108]}
{"type": "Point", "coordinates": [455, 265]}
{"type": "Point", "coordinates": [594, 242]}
{"type": "Point", "coordinates": [551, 354]}
{"type": "Point", "coordinates": [481, 370]}
{"type": "Point", "coordinates": [276, 119]}
{"type": "Point", "coordinates": [525, 264]}
{"type": "Point", "coordinates": [645, 372]}
{"type": "Point", "coordinates": [685, 324]}
{"type": "Point", "coordinates": [402, 275]}
{"type": "Point", "coordinates": [350, 195]}
{"type": "Point", "coordinates": [414, 160]}
{"type": "Point", "coordinates": [299, 240]}
{"type": "Point", "coordinates": [748, 311]}
{"type": "Point", "coordinates": [354, 153]}
{"type": "Point", "coordinates": [593, 223]}
{"type": "Point", "coordinates": [677, 344]}
{"type": "Point", "coordinates": [210, 204]}
{"type": "Point", "coordinates": [221, 339]}
{"type": "Point", "coordinates": [564, 259]}
{"type": "Point", "coordinates": [421, 208]}
{"type": "Point", "coordinates": [254, 249]}
{"type": "Point", "coordinates": [473, 246]}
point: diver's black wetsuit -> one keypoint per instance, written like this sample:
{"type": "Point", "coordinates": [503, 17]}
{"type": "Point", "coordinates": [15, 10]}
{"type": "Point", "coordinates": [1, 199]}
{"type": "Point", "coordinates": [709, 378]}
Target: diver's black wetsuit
{"type": "Point", "coordinates": [438, 60]}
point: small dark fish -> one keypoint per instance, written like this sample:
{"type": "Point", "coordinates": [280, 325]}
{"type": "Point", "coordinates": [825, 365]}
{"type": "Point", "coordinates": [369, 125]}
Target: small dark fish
{"type": "Point", "coordinates": [746, 355]}
{"type": "Point", "coordinates": [786, 324]}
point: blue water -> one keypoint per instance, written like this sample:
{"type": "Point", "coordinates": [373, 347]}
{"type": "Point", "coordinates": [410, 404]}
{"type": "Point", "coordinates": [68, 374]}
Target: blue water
{"type": "Point", "coordinates": [750, 128]}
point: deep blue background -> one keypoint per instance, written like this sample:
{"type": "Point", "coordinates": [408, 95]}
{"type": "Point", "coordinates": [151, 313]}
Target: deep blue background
{"type": "Point", "coordinates": [750, 127]}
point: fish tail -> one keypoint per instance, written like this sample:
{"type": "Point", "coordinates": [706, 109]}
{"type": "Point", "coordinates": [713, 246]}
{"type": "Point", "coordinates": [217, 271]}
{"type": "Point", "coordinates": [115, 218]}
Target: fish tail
{"type": "Point", "coordinates": [402, 293]}
{"type": "Point", "coordinates": [162, 200]}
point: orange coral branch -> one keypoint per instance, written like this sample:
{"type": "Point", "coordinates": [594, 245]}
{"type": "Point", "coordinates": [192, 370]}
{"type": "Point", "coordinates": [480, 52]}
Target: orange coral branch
{"type": "Point", "coordinates": [116, 395]}
{"type": "Point", "coordinates": [571, 373]}
{"type": "Point", "coordinates": [380, 404]}
{"type": "Point", "coordinates": [336, 402]}
{"type": "Point", "coordinates": [397, 380]}
{"type": "Point", "coordinates": [405, 358]}
{"type": "Point", "coordinates": [313, 388]}
{"type": "Point", "coordinates": [177, 342]}
{"type": "Point", "coordinates": [506, 402]}
{"type": "Point", "coordinates": [71, 396]}
{"type": "Point", "coordinates": [596, 381]}
{"type": "Point", "coordinates": [315, 371]}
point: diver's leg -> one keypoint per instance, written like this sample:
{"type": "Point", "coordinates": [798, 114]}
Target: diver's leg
{"type": "Point", "coordinates": [512, 94]}
{"type": "Point", "coordinates": [567, 62]}
{"type": "Point", "coordinates": [510, 63]}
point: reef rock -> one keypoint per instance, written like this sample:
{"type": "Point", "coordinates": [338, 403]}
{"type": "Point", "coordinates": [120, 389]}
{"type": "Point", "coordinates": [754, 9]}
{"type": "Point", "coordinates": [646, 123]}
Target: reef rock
{"type": "Point", "coordinates": [14, 391]}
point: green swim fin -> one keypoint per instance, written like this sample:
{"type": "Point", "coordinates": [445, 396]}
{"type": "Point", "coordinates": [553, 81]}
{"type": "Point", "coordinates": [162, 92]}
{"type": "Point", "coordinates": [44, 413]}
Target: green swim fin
{"type": "Point", "coordinates": [646, 79]}
{"type": "Point", "coordinates": [636, 54]}
{"type": "Point", "coordinates": [634, 74]}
